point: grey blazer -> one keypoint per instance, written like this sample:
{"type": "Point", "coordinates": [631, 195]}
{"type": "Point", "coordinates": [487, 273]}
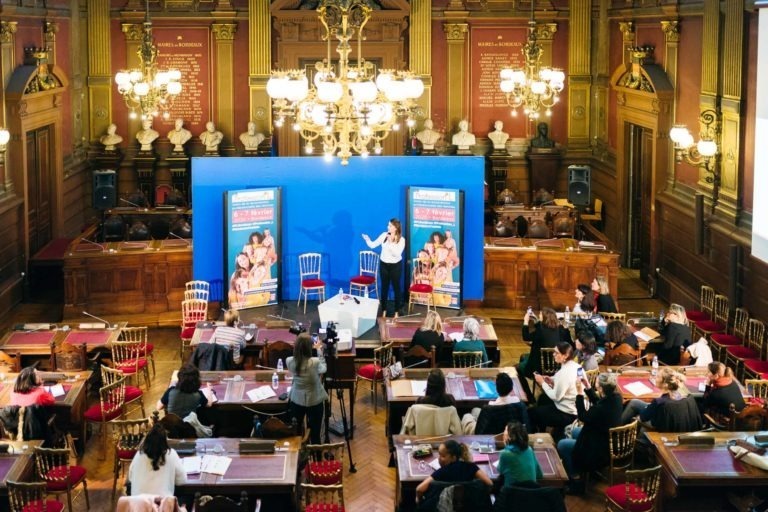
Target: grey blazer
{"type": "Point", "coordinates": [307, 389]}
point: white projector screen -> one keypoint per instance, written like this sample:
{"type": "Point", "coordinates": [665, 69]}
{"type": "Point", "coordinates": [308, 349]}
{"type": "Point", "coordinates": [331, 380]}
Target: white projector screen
{"type": "Point", "coordinates": [760, 205]}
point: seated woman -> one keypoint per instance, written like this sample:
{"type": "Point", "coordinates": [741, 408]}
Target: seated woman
{"type": "Point", "coordinates": [156, 468]}
{"type": "Point", "coordinates": [586, 350]}
{"type": "Point", "coordinates": [671, 384]}
{"type": "Point", "coordinates": [230, 335]}
{"type": "Point", "coordinates": [455, 466]}
{"type": "Point", "coordinates": [471, 341]}
{"type": "Point", "coordinates": [722, 390]}
{"type": "Point", "coordinates": [558, 409]}
{"type": "Point", "coordinates": [588, 449]}
{"type": "Point", "coordinates": [544, 334]}
{"type": "Point", "coordinates": [494, 416]}
{"type": "Point", "coordinates": [585, 300]}
{"type": "Point", "coordinates": [435, 393]}
{"type": "Point", "coordinates": [185, 397]}
{"type": "Point", "coordinates": [517, 462]}
{"type": "Point", "coordinates": [430, 334]}
{"type": "Point", "coordinates": [676, 333]}
{"type": "Point", "coordinates": [617, 333]}
{"type": "Point", "coordinates": [602, 294]}
{"type": "Point", "coordinates": [28, 390]}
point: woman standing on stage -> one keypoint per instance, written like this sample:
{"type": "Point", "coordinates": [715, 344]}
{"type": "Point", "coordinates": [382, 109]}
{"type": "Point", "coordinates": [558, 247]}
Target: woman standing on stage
{"type": "Point", "coordinates": [391, 265]}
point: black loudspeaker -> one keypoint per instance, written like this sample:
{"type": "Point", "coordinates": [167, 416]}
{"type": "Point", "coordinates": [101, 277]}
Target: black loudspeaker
{"type": "Point", "coordinates": [104, 193]}
{"type": "Point", "coordinates": [579, 180]}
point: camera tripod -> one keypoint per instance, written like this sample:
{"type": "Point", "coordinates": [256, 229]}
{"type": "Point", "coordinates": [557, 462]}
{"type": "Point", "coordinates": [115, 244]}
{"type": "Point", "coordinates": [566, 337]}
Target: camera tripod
{"type": "Point", "coordinates": [331, 383]}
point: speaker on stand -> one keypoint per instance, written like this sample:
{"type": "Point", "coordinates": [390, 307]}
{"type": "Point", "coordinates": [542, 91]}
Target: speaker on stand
{"type": "Point", "coordinates": [104, 191]}
{"type": "Point", "coordinates": [579, 185]}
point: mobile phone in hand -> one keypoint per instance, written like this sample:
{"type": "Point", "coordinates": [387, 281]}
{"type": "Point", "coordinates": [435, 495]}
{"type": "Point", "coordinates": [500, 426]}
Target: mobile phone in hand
{"type": "Point", "coordinates": [580, 372]}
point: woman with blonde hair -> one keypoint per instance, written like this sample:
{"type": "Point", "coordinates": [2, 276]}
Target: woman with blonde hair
{"type": "Point", "coordinates": [603, 299]}
{"type": "Point", "coordinates": [672, 386]}
{"type": "Point", "coordinates": [430, 334]}
{"type": "Point", "coordinates": [676, 333]}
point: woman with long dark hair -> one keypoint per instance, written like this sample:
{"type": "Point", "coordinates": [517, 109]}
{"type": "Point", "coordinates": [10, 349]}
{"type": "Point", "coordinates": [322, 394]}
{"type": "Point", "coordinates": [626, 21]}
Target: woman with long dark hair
{"type": "Point", "coordinates": [185, 397]}
{"type": "Point", "coordinates": [546, 333]}
{"type": "Point", "coordinates": [308, 394]}
{"type": "Point", "coordinates": [585, 299]}
{"type": "Point", "coordinates": [391, 263]}
{"type": "Point", "coordinates": [435, 393]}
{"type": "Point", "coordinates": [156, 468]}
{"type": "Point", "coordinates": [557, 405]}
{"type": "Point", "coordinates": [517, 462]}
{"type": "Point", "coordinates": [27, 389]}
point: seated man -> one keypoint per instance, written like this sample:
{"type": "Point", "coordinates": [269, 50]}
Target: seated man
{"type": "Point", "coordinates": [494, 417]}
{"type": "Point", "coordinates": [231, 335]}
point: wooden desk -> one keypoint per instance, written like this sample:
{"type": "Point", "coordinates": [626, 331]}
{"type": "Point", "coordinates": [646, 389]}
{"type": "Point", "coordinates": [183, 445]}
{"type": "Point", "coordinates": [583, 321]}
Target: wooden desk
{"type": "Point", "coordinates": [17, 465]}
{"type": "Point", "coordinates": [400, 331]}
{"type": "Point", "coordinates": [699, 466]}
{"type": "Point", "coordinates": [542, 273]}
{"type": "Point", "coordinates": [692, 382]}
{"type": "Point", "coordinates": [38, 343]}
{"type": "Point", "coordinates": [260, 475]}
{"type": "Point", "coordinates": [511, 212]}
{"type": "Point", "coordinates": [461, 386]}
{"type": "Point", "coordinates": [411, 472]}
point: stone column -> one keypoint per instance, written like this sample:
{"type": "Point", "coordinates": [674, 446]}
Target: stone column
{"type": "Point", "coordinates": [99, 71]}
{"type": "Point", "coordinates": [600, 81]}
{"type": "Point", "coordinates": [458, 89]}
{"type": "Point", "coordinates": [224, 36]}
{"type": "Point", "coordinates": [7, 65]}
{"type": "Point", "coordinates": [259, 63]}
{"type": "Point", "coordinates": [579, 73]}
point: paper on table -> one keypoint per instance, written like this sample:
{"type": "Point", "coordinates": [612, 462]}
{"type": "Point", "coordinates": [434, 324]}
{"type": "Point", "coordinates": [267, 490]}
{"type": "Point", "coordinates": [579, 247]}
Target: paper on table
{"type": "Point", "coordinates": [434, 464]}
{"type": "Point", "coordinates": [209, 394]}
{"type": "Point", "coordinates": [192, 465]}
{"type": "Point", "coordinates": [92, 325]}
{"type": "Point", "coordinates": [456, 336]}
{"type": "Point", "coordinates": [647, 334]}
{"type": "Point", "coordinates": [418, 387]}
{"type": "Point", "coordinates": [260, 393]}
{"type": "Point", "coordinates": [637, 388]}
{"type": "Point", "coordinates": [56, 390]}
{"type": "Point", "coordinates": [405, 387]}
{"type": "Point", "coordinates": [215, 464]}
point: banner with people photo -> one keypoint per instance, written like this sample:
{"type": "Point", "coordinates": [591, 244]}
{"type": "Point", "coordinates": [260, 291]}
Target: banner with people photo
{"type": "Point", "coordinates": [434, 236]}
{"type": "Point", "coordinates": [252, 247]}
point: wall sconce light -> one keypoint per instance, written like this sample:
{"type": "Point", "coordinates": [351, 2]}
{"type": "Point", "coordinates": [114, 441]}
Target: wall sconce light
{"type": "Point", "coordinates": [703, 153]}
{"type": "Point", "coordinates": [5, 136]}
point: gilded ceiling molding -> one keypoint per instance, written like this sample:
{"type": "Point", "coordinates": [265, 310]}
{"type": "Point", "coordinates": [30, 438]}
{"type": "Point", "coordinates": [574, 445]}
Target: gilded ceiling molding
{"type": "Point", "coordinates": [456, 31]}
{"type": "Point", "coordinates": [671, 31]}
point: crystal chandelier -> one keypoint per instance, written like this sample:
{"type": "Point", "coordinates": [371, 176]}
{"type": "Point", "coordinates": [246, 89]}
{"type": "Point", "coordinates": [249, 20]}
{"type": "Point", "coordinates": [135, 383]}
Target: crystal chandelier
{"type": "Point", "coordinates": [348, 107]}
{"type": "Point", "coordinates": [533, 88]}
{"type": "Point", "coordinates": [148, 91]}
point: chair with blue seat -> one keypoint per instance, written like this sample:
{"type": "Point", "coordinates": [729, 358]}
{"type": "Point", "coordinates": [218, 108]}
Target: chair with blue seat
{"type": "Point", "coordinates": [309, 277]}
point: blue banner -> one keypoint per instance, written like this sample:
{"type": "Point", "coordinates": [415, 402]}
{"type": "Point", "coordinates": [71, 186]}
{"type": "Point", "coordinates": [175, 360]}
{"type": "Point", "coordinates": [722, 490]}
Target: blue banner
{"type": "Point", "coordinates": [252, 231]}
{"type": "Point", "coordinates": [435, 236]}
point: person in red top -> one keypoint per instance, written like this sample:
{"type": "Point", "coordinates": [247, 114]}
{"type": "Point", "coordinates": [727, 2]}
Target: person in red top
{"type": "Point", "coordinates": [28, 390]}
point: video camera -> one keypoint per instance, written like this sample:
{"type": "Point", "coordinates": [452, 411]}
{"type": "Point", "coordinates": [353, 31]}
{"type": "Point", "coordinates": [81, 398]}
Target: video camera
{"type": "Point", "coordinates": [297, 328]}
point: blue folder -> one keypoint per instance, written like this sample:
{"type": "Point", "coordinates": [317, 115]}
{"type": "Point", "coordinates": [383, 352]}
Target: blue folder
{"type": "Point", "coordinates": [486, 389]}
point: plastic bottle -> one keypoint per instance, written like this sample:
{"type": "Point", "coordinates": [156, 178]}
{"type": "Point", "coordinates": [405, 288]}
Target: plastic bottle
{"type": "Point", "coordinates": [655, 366]}
{"type": "Point", "coordinates": [341, 296]}
{"type": "Point", "coordinates": [280, 364]}
{"type": "Point", "coordinates": [567, 315]}
{"type": "Point", "coordinates": [365, 293]}
{"type": "Point", "coordinates": [275, 381]}
{"type": "Point", "coordinates": [661, 319]}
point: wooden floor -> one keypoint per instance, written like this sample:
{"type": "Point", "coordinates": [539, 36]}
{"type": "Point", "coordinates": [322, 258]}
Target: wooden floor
{"type": "Point", "coordinates": [372, 487]}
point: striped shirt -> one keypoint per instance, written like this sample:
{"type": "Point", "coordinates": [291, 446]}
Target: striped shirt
{"type": "Point", "coordinates": [230, 336]}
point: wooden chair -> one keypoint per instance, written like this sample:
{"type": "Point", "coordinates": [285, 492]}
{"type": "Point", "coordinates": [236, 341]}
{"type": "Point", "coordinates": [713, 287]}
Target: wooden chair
{"type": "Point", "coordinates": [736, 356]}
{"type": "Point", "coordinates": [133, 394]}
{"type": "Point", "coordinates": [176, 427]}
{"type": "Point", "coordinates": [622, 354]}
{"type": "Point", "coordinates": [128, 435]}
{"type": "Point", "coordinates": [563, 226]}
{"type": "Point", "coordinates": [309, 277]}
{"type": "Point", "coordinates": [322, 498]}
{"type": "Point", "coordinates": [53, 468]}
{"type": "Point", "coordinates": [591, 376]}
{"type": "Point", "coordinates": [596, 217]}
{"type": "Point", "coordinates": [718, 323]}
{"type": "Point", "coordinates": [69, 357]}
{"type": "Point", "coordinates": [421, 291]}
{"type": "Point", "coordinates": [418, 353]}
{"type": "Point", "coordinates": [31, 497]}
{"type": "Point", "coordinates": [326, 464]}
{"type": "Point", "coordinates": [146, 349]}
{"type": "Point", "coordinates": [10, 363]}
{"type": "Point", "coordinates": [110, 407]}
{"type": "Point", "coordinates": [610, 317]}
{"type": "Point", "coordinates": [221, 503]}
{"type": "Point", "coordinates": [752, 418]}
{"type": "Point", "coordinates": [367, 279]}
{"type": "Point", "coordinates": [275, 351]}
{"type": "Point", "coordinates": [548, 364]}
{"type": "Point", "coordinates": [467, 359]}
{"type": "Point", "coordinates": [706, 305]}
{"type": "Point", "coordinates": [719, 341]}
{"type": "Point", "coordinates": [538, 229]}
{"type": "Point", "coordinates": [192, 311]}
{"type": "Point", "coordinates": [639, 493]}
{"type": "Point", "coordinates": [374, 372]}
{"type": "Point", "coordinates": [126, 359]}
{"type": "Point", "coordinates": [200, 290]}
{"type": "Point", "coordinates": [621, 446]}
{"type": "Point", "coordinates": [758, 388]}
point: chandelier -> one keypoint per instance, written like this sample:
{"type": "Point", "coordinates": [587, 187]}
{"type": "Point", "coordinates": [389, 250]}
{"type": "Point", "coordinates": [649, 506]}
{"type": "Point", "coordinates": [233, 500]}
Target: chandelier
{"type": "Point", "coordinates": [532, 88]}
{"type": "Point", "coordinates": [348, 107]}
{"type": "Point", "coordinates": [148, 91]}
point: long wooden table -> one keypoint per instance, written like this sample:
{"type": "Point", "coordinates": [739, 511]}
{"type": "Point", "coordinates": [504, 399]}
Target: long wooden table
{"type": "Point", "coordinates": [400, 332]}
{"type": "Point", "coordinates": [525, 272]}
{"type": "Point", "coordinates": [38, 343]}
{"type": "Point", "coordinates": [703, 468]}
{"type": "Point", "coordinates": [411, 471]}
{"type": "Point", "coordinates": [270, 477]}
{"type": "Point", "coordinates": [695, 379]}
{"type": "Point", "coordinates": [460, 382]}
{"type": "Point", "coordinates": [16, 465]}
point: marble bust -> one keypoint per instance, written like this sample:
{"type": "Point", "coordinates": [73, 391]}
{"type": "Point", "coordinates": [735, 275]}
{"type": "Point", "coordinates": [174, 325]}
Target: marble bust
{"type": "Point", "coordinates": [498, 137]}
{"type": "Point", "coordinates": [179, 136]}
{"type": "Point", "coordinates": [463, 139]}
{"type": "Point", "coordinates": [251, 139]}
{"type": "Point", "coordinates": [542, 140]}
{"type": "Point", "coordinates": [146, 136]}
{"type": "Point", "coordinates": [428, 136]}
{"type": "Point", "coordinates": [211, 138]}
{"type": "Point", "coordinates": [111, 138]}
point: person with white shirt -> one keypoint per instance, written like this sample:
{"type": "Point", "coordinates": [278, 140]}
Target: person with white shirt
{"type": "Point", "coordinates": [561, 390]}
{"type": "Point", "coordinates": [391, 263]}
{"type": "Point", "coordinates": [156, 468]}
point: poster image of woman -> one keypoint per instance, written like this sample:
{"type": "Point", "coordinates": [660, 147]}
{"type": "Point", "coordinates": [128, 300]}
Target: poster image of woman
{"type": "Point", "coordinates": [238, 285]}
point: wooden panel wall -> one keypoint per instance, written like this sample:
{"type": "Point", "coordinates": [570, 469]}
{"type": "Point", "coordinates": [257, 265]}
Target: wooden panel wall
{"type": "Point", "coordinates": [11, 250]}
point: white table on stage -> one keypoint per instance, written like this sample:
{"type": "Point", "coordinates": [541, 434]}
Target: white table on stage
{"type": "Point", "coordinates": [358, 316]}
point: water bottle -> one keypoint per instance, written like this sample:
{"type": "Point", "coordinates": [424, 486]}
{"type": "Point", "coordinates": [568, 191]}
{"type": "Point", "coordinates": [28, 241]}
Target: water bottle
{"type": "Point", "coordinates": [280, 365]}
{"type": "Point", "coordinates": [275, 381]}
{"type": "Point", "coordinates": [655, 366]}
{"type": "Point", "coordinates": [567, 315]}
{"type": "Point", "coordinates": [661, 319]}
{"type": "Point", "coordinates": [365, 293]}
{"type": "Point", "coordinates": [341, 296]}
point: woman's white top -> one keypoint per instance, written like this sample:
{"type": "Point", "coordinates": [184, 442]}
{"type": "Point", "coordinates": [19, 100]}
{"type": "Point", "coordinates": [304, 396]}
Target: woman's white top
{"type": "Point", "coordinates": [391, 252]}
{"type": "Point", "coordinates": [145, 480]}
{"type": "Point", "coordinates": [563, 392]}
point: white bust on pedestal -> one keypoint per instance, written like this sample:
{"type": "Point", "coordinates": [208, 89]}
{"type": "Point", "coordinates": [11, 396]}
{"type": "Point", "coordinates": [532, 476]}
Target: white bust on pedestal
{"type": "Point", "coordinates": [179, 136]}
{"type": "Point", "coordinates": [428, 137]}
{"type": "Point", "coordinates": [251, 139]}
{"type": "Point", "coordinates": [111, 138]}
{"type": "Point", "coordinates": [211, 138]}
{"type": "Point", "coordinates": [146, 136]}
{"type": "Point", "coordinates": [498, 137]}
{"type": "Point", "coordinates": [463, 139]}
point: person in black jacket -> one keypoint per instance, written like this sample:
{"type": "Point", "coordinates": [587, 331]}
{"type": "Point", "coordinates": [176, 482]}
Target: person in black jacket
{"type": "Point", "coordinates": [676, 333]}
{"type": "Point", "coordinates": [544, 334]}
{"type": "Point", "coordinates": [722, 390]}
{"type": "Point", "coordinates": [588, 450]}
{"type": "Point", "coordinates": [430, 334]}
{"type": "Point", "coordinates": [603, 300]}
{"type": "Point", "coordinates": [493, 418]}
